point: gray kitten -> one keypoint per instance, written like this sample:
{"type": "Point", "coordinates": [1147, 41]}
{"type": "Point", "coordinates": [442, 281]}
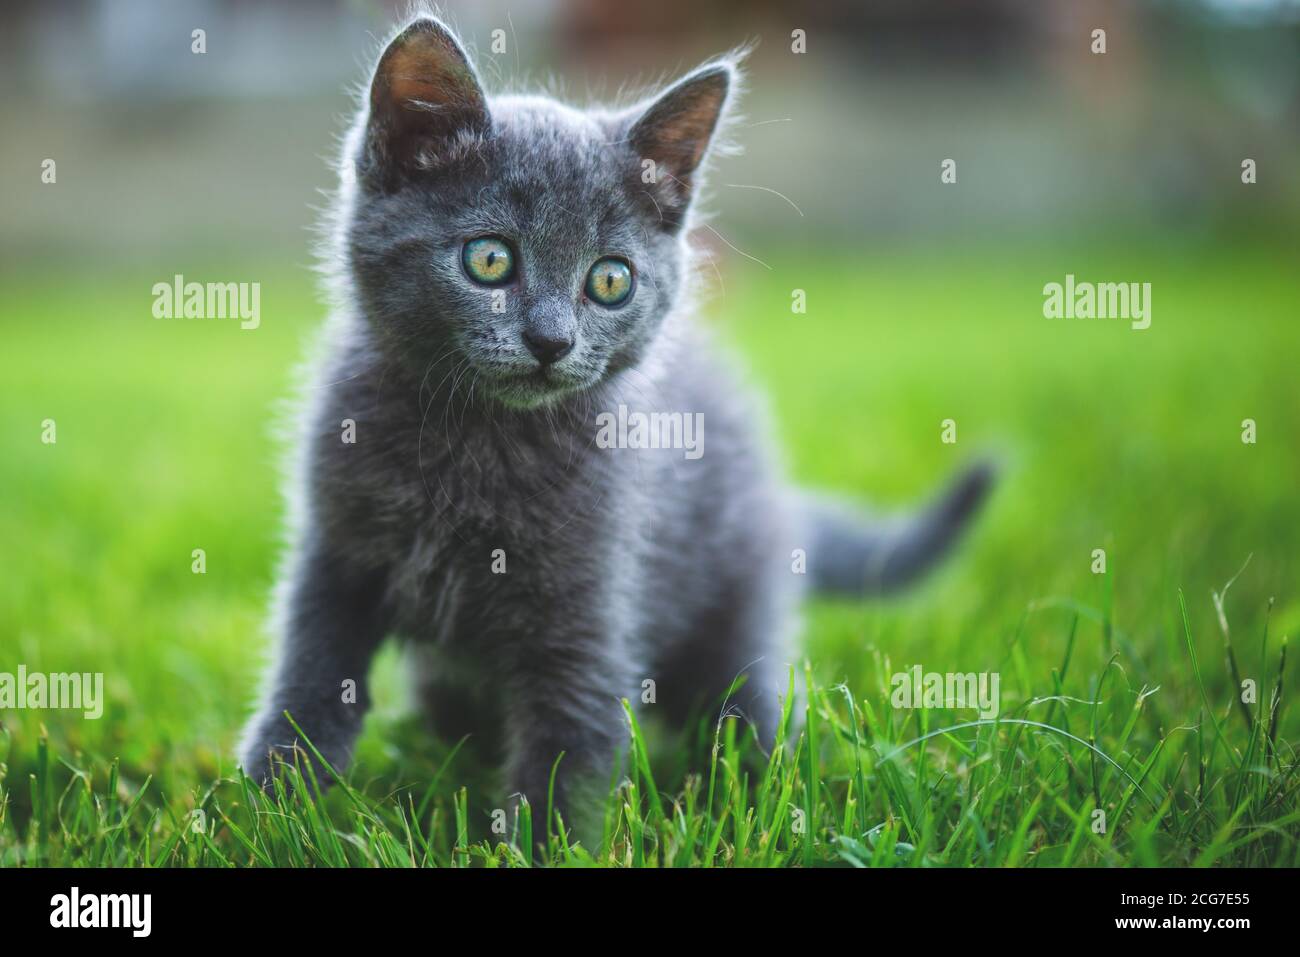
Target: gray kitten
{"type": "Point", "coordinates": [509, 270]}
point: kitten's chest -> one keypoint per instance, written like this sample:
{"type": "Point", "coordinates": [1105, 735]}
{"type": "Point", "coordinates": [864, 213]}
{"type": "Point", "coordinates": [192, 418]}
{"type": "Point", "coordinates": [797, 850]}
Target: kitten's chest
{"type": "Point", "coordinates": [471, 587]}
{"type": "Point", "coordinates": [477, 494]}
{"type": "Point", "coordinates": [488, 533]}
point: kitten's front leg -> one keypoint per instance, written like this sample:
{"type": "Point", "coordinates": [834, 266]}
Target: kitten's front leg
{"type": "Point", "coordinates": [565, 694]}
{"type": "Point", "coordinates": [331, 624]}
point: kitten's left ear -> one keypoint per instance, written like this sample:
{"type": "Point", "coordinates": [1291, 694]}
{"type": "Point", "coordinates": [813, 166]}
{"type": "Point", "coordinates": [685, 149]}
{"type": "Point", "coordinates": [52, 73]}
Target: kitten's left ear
{"type": "Point", "coordinates": [424, 95]}
{"type": "Point", "coordinates": [675, 130]}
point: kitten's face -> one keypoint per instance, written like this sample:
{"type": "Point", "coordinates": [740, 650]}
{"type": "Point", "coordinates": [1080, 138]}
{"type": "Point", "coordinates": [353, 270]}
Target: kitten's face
{"type": "Point", "coordinates": [515, 245]}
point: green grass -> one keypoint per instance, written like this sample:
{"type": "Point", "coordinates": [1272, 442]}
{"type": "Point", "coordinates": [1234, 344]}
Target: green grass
{"type": "Point", "coordinates": [1117, 691]}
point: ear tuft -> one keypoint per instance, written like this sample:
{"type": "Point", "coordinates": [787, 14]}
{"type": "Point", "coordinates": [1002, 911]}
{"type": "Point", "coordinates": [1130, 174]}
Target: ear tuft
{"type": "Point", "coordinates": [425, 95]}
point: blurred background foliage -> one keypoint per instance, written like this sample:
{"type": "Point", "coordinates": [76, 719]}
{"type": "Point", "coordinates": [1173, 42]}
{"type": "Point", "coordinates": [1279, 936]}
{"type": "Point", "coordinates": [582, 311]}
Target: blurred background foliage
{"type": "Point", "coordinates": [162, 150]}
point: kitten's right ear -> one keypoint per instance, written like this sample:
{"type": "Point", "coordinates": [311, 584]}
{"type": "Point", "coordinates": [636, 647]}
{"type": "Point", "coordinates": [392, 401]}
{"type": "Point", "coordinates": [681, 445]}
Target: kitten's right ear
{"type": "Point", "coordinates": [424, 97]}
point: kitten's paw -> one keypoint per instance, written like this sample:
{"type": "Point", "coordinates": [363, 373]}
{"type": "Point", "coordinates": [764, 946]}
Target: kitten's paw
{"type": "Point", "coordinates": [275, 750]}
{"type": "Point", "coordinates": [262, 763]}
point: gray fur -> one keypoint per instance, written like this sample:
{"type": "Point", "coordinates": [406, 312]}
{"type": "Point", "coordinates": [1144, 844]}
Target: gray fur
{"type": "Point", "coordinates": [621, 564]}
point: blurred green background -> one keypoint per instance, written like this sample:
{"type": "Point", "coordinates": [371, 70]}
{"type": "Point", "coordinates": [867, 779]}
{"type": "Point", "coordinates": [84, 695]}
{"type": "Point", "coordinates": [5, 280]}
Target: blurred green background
{"type": "Point", "coordinates": [924, 303]}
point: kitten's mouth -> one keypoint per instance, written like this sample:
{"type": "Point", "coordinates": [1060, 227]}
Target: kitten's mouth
{"type": "Point", "coordinates": [536, 387]}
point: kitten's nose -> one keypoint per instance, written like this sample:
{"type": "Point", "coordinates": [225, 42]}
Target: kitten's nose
{"type": "Point", "coordinates": [548, 347]}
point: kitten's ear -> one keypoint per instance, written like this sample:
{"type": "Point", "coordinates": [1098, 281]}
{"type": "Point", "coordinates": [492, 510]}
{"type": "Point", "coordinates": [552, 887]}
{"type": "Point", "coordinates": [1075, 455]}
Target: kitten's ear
{"type": "Point", "coordinates": [424, 96]}
{"type": "Point", "coordinates": [674, 132]}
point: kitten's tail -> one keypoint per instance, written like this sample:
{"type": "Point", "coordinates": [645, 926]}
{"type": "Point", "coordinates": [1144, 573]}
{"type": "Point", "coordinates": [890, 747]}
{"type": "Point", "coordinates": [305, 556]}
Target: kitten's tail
{"type": "Point", "coordinates": [850, 555]}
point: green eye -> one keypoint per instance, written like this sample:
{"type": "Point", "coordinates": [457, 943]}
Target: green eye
{"type": "Point", "coordinates": [489, 261]}
{"type": "Point", "coordinates": [610, 281]}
